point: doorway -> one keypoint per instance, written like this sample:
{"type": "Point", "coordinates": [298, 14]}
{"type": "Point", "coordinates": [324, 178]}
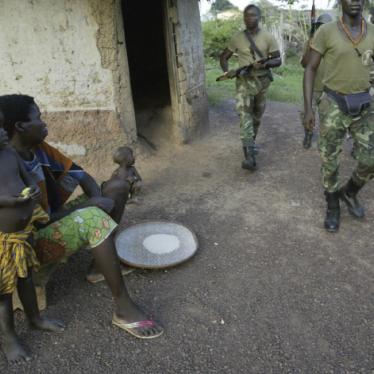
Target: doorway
{"type": "Point", "coordinates": [144, 27]}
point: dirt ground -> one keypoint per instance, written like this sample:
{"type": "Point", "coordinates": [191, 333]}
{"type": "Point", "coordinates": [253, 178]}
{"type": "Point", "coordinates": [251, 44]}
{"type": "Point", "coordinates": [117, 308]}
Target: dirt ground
{"type": "Point", "coordinates": [269, 291]}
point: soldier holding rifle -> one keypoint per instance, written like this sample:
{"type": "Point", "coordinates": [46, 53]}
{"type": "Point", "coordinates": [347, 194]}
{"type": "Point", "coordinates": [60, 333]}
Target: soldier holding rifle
{"type": "Point", "coordinates": [258, 52]}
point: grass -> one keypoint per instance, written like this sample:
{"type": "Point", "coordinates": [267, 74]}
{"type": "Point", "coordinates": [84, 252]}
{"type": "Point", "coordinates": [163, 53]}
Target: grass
{"type": "Point", "coordinates": [287, 85]}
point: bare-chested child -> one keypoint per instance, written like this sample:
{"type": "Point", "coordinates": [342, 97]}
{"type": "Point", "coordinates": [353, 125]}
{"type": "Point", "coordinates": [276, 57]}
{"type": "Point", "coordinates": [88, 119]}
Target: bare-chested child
{"type": "Point", "coordinates": [19, 211]}
{"type": "Point", "coordinates": [126, 173]}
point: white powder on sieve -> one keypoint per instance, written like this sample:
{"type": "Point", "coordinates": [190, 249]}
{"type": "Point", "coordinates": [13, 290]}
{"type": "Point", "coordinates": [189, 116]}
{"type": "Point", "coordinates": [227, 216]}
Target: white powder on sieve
{"type": "Point", "coordinates": [161, 243]}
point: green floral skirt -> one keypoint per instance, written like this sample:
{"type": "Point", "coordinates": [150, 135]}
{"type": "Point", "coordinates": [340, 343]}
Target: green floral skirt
{"type": "Point", "coordinates": [83, 228]}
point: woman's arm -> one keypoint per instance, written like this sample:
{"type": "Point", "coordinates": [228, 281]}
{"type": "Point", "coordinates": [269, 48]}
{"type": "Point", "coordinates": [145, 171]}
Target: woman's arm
{"type": "Point", "coordinates": [12, 201]}
{"type": "Point", "coordinates": [103, 203]}
{"type": "Point", "coordinates": [89, 186]}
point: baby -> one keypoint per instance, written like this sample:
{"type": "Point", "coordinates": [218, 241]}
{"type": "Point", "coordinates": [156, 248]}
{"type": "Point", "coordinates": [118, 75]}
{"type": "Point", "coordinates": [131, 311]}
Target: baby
{"type": "Point", "coordinates": [124, 183]}
{"type": "Point", "coordinates": [19, 211]}
{"type": "Point", "coordinates": [126, 171]}
{"type": "Point", "coordinates": [125, 178]}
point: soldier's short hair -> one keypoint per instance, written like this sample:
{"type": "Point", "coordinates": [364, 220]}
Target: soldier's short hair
{"type": "Point", "coordinates": [253, 6]}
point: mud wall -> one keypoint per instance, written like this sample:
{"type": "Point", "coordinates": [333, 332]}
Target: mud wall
{"type": "Point", "coordinates": [70, 55]}
{"type": "Point", "coordinates": [194, 118]}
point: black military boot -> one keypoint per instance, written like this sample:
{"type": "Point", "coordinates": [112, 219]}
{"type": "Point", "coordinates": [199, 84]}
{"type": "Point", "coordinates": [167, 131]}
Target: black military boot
{"type": "Point", "coordinates": [250, 159]}
{"type": "Point", "coordinates": [332, 219]}
{"type": "Point", "coordinates": [307, 142]}
{"type": "Point", "coordinates": [255, 149]}
{"type": "Point", "coordinates": [348, 194]}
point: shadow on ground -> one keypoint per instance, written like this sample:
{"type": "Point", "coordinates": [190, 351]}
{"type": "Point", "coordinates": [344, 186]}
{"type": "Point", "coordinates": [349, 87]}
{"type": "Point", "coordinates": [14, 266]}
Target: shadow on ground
{"type": "Point", "coordinates": [269, 290]}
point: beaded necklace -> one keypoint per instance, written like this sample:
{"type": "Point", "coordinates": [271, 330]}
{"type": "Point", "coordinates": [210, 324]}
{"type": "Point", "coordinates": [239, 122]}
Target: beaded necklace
{"type": "Point", "coordinates": [354, 41]}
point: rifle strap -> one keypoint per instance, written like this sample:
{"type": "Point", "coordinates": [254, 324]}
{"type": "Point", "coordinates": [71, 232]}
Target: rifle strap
{"type": "Point", "coordinates": [253, 44]}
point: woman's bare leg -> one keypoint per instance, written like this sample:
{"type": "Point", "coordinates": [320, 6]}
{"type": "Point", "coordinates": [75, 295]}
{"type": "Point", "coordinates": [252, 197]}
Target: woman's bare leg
{"type": "Point", "coordinates": [107, 262]}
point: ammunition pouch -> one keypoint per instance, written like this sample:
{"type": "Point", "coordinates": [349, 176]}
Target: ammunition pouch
{"type": "Point", "coordinates": [351, 104]}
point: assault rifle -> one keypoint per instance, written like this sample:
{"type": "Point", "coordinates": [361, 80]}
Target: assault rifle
{"type": "Point", "coordinates": [242, 71]}
{"type": "Point", "coordinates": [313, 20]}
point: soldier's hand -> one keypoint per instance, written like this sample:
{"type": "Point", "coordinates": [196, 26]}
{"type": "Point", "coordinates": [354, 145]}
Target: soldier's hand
{"type": "Point", "coordinates": [258, 65]}
{"type": "Point", "coordinates": [308, 121]}
{"type": "Point", "coordinates": [231, 73]}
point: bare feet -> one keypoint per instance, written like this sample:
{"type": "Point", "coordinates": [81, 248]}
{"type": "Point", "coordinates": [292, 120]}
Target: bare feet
{"type": "Point", "coordinates": [135, 322]}
{"type": "Point", "coordinates": [14, 351]}
{"type": "Point", "coordinates": [45, 324]}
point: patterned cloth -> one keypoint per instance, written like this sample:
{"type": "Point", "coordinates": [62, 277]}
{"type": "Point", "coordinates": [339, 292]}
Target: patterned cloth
{"type": "Point", "coordinates": [17, 255]}
{"type": "Point", "coordinates": [333, 128]}
{"type": "Point", "coordinates": [57, 177]}
{"type": "Point", "coordinates": [250, 105]}
{"type": "Point", "coordinates": [84, 228]}
{"type": "Point", "coordinates": [55, 174]}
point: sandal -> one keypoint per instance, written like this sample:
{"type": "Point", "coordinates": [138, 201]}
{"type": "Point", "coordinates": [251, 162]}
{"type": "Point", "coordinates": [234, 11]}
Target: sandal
{"type": "Point", "coordinates": [135, 327]}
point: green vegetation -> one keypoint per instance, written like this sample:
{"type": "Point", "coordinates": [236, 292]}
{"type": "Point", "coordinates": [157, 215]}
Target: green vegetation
{"type": "Point", "coordinates": [287, 85]}
{"type": "Point", "coordinates": [221, 5]}
{"type": "Point", "coordinates": [289, 27]}
{"type": "Point", "coordinates": [217, 34]}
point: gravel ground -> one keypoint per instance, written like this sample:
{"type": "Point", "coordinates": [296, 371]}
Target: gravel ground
{"type": "Point", "coordinates": [269, 291]}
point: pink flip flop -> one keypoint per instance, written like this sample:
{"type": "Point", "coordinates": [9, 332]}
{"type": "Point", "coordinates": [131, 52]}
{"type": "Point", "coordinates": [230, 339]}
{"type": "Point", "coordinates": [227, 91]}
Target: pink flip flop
{"type": "Point", "coordinates": [133, 327]}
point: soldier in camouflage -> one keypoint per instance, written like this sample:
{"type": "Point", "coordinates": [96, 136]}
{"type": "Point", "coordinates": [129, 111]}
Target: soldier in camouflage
{"type": "Point", "coordinates": [251, 88]}
{"type": "Point", "coordinates": [345, 106]}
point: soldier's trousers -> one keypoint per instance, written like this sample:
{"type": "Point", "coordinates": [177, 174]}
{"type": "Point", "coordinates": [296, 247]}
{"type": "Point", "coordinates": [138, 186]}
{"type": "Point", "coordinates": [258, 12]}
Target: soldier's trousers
{"type": "Point", "coordinates": [333, 128]}
{"type": "Point", "coordinates": [250, 105]}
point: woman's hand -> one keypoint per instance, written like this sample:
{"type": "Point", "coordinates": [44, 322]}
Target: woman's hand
{"type": "Point", "coordinates": [35, 194]}
{"type": "Point", "coordinates": [104, 203]}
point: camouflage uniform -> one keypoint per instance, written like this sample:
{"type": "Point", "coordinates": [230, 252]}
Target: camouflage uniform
{"type": "Point", "coordinates": [250, 105]}
{"type": "Point", "coordinates": [347, 72]}
{"type": "Point", "coordinates": [251, 89]}
{"type": "Point", "coordinates": [333, 128]}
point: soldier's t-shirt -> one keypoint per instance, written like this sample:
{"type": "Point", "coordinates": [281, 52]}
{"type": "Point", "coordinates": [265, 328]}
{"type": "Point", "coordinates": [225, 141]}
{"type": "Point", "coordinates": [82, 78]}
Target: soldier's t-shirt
{"type": "Point", "coordinates": [345, 71]}
{"type": "Point", "coordinates": [318, 84]}
{"type": "Point", "coordinates": [264, 41]}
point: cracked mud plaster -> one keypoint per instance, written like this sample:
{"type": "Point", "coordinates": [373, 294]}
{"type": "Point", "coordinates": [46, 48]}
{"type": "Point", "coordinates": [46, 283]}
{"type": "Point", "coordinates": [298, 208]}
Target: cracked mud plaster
{"type": "Point", "coordinates": [110, 42]}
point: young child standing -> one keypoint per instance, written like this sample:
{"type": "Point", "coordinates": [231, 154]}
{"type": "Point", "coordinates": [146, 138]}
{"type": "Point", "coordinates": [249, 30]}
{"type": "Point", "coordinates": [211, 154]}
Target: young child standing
{"type": "Point", "coordinates": [19, 211]}
{"type": "Point", "coordinates": [126, 176]}
{"type": "Point", "coordinates": [124, 157]}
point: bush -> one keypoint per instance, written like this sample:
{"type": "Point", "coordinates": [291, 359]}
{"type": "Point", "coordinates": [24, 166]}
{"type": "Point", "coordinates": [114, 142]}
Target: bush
{"type": "Point", "coordinates": [292, 52]}
{"type": "Point", "coordinates": [217, 34]}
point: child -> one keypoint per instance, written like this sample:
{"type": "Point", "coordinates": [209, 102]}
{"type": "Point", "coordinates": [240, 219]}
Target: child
{"type": "Point", "coordinates": [18, 212]}
{"type": "Point", "coordinates": [124, 157]}
{"type": "Point", "coordinates": [125, 178]}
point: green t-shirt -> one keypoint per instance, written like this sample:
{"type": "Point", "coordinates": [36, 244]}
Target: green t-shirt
{"type": "Point", "coordinates": [318, 85]}
{"type": "Point", "coordinates": [264, 41]}
{"type": "Point", "coordinates": [345, 71]}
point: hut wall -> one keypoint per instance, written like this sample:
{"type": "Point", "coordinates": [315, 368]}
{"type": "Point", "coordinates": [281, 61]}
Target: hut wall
{"type": "Point", "coordinates": [193, 118]}
{"type": "Point", "coordinates": [70, 55]}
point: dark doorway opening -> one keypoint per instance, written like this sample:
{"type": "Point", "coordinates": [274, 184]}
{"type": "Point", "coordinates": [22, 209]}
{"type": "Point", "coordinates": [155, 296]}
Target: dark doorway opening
{"type": "Point", "coordinates": [147, 57]}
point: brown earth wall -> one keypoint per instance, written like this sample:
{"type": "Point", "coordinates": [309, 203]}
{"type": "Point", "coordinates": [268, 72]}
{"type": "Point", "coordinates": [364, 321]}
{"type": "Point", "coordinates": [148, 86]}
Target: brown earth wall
{"type": "Point", "coordinates": [88, 137]}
